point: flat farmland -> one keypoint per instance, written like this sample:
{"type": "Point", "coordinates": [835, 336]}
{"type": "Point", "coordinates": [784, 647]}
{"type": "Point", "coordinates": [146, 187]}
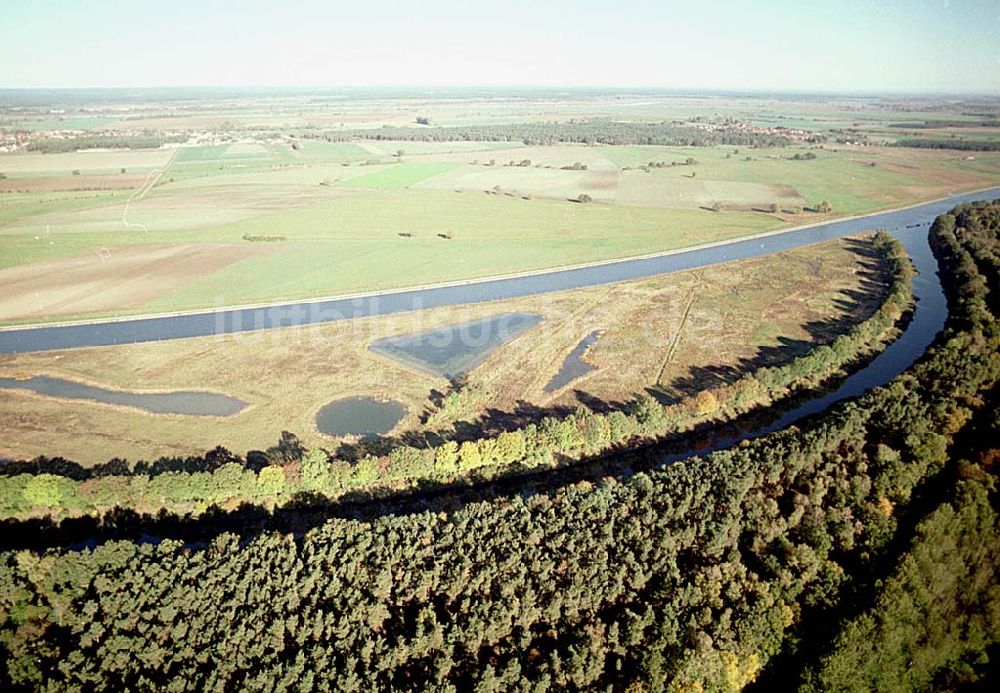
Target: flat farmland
{"type": "Point", "coordinates": [401, 175]}
{"type": "Point", "coordinates": [446, 212]}
{"type": "Point", "coordinates": [72, 183]}
{"type": "Point", "coordinates": [673, 333]}
{"type": "Point", "coordinates": [658, 189]}
{"type": "Point", "coordinates": [78, 123]}
{"type": "Point", "coordinates": [554, 156]}
{"type": "Point", "coordinates": [170, 209]}
{"type": "Point", "coordinates": [844, 176]}
{"type": "Point", "coordinates": [223, 152]}
{"type": "Point", "coordinates": [555, 184]}
{"type": "Point", "coordinates": [399, 238]}
{"type": "Point", "coordinates": [84, 161]}
{"type": "Point", "coordinates": [106, 281]}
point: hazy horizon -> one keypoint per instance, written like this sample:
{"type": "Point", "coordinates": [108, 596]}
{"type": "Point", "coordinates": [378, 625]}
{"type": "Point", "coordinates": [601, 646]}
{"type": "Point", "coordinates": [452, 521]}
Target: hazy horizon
{"type": "Point", "coordinates": [857, 47]}
{"type": "Point", "coordinates": [508, 89]}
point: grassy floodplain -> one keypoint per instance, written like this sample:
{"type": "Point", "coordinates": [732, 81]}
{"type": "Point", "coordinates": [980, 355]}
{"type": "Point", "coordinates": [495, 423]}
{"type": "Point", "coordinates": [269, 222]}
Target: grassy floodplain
{"type": "Point", "coordinates": [675, 334]}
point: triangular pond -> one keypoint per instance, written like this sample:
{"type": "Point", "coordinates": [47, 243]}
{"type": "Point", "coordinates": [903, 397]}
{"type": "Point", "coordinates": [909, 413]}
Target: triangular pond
{"type": "Point", "coordinates": [456, 349]}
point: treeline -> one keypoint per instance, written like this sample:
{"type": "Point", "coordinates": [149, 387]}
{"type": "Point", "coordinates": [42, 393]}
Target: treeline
{"type": "Point", "coordinates": [959, 145]}
{"type": "Point", "coordinates": [579, 132]}
{"type": "Point", "coordinates": [985, 122]}
{"type": "Point", "coordinates": [277, 476]}
{"type": "Point", "coordinates": [689, 577]}
{"type": "Point", "coordinates": [59, 145]}
{"type": "Point", "coordinates": [934, 616]}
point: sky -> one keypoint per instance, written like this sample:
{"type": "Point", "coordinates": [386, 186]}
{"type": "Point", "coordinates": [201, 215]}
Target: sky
{"type": "Point", "coordinates": [867, 46]}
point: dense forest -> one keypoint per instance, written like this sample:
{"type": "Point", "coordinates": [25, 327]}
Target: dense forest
{"type": "Point", "coordinates": [960, 145]}
{"type": "Point", "coordinates": [289, 474]}
{"type": "Point", "coordinates": [581, 132]}
{"type": "Point", "coordinates": [58, 145]}
{"type": "Point", "coordinates": [855, 551]}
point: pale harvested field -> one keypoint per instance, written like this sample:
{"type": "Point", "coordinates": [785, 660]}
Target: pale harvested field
{"type": "Point", "coordinates": [537, 182]}
{"type": "Point", "coordinates": [375, 148]}
{"type": "Point", "coordinates": [177, 208]}
{"type": "Point", "coordinates": [86, 160]}
{"type": "Point", "coordinates": [92, 181]}
{"type": "Point", "coordinates": [739, 313]}
{"type": "Point", "coordinates": [111, 279]}
{"type": "Point", "coordinates": [673, 190]}
{"type": "Point", "coordinates": [951, 170]}
{"type": "Point", "coordinates": [244, 149]}
{"type": "Point", "coordinates": [555, 156]}
{"type": "Point", "coordinates": [198, 121]}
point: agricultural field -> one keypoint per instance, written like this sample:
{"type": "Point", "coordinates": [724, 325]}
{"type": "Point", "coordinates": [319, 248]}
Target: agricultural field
{"type": "Point", "coordinates": [34, 165]}
{"type": "Point", "coordinates": [347, 217]}
{"type": "Point", "coordinates": [673, 335]}
{"type": "Point", "coordinates": [402, 175]}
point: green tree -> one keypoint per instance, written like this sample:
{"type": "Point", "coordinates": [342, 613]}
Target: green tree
{"type": "Point", "coordinates": [621, 426]}
{"type": "Point", "coordinates": [446, 457]}
{"type": "Point", "coordinates": [48, 490]}
{"type": "Point", "coordinates": [315, 470]}
{"type": "Point", "coordinates": [12, 498]}
{"type": "Point", "coordinates": [706, 403]}
{"type": "Point", "coordinates": [365, 471]}
{"type": "Point", "coordinates": [510, 447]}
{"type": "Point", "coordinates": [469, 456]}
{"type": "Point", "coordinates": [562, 434]}
{"type": "Point", "coordinates": [271, 480]}
{"type": "Point", "coordinates": [649, 414]}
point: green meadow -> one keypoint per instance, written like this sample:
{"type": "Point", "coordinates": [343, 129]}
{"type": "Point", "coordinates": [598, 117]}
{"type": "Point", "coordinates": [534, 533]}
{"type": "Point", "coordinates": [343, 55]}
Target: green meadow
{"type": "Point", "coordinates": [401, 175]}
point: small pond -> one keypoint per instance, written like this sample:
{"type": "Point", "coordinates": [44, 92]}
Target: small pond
{"type": "Point", "coordinates": [456, 349]}
{"type": "Point", "coordinates": [574, 366]}
{"type": "Point", "coordinates": [366, 417]}
{"type": "Point", "coordinates": [189, 403]}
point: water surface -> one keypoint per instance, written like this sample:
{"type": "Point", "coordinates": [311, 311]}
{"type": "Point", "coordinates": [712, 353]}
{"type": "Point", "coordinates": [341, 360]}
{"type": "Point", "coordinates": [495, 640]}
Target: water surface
{"type": "Point", "coordinates": [190, 403]}
{"type": "Point", "coordinates": [456, 349]}
{"type": "Point", "coordinates": [366, 417]}
{"type": "Point", "coordinates": [573, 365]}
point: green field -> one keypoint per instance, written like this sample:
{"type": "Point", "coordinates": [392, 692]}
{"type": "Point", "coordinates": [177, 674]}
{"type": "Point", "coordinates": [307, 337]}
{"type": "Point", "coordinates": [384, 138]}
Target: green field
{"type": "Point", "coordinates": [448, 211]}
{"type": "Point", "coordinates": [401, 175]}
{"type": "Point", "coordinates": [353, 244]}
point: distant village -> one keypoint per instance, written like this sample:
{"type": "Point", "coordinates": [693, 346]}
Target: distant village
{"type": "Point", "coordinates": [14, 138]}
